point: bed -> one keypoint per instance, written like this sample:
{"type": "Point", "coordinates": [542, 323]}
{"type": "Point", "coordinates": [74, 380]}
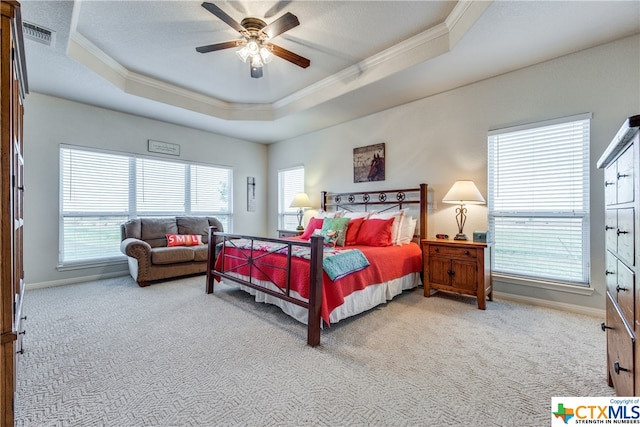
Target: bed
{"type": "Point", "coordinates": [315, 280]}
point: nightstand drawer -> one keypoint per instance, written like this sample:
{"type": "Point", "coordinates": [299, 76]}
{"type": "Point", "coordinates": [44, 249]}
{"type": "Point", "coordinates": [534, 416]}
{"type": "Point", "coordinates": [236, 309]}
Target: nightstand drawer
{"type": "Point", "coordinates": [452, 252]}
{"type": "Point", "coordinates": [289, 233]}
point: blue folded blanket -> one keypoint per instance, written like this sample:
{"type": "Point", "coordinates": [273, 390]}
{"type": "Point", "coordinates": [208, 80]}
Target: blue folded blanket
{"type": "Point", "coordinates": [339, 265]}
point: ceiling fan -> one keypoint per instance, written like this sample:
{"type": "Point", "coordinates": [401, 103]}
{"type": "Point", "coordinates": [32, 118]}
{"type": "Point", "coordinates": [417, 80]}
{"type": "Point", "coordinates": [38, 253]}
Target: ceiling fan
{"type": "Point", "coordinates": [255, 44]}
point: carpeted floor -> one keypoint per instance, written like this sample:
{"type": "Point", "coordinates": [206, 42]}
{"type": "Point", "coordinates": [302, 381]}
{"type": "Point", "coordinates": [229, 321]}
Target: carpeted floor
{"type": "Point", "coordinates": [109, 353]}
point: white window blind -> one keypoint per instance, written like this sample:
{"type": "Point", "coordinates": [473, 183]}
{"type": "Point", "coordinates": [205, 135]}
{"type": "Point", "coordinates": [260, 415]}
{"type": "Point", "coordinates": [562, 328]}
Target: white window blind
{"type": "Point", "coordinates": [100, 190]}
{"type": "Point", "coordinates": [539, 200]}
{"type": "Point", "coordinates": [290, 182]}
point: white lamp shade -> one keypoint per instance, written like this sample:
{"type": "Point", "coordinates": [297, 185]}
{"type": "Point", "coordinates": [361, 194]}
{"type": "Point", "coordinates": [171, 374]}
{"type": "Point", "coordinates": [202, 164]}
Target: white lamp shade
{"type": "Point", "coordinates": [463, 193]}
{"type": "Point", "coordinates": [300, 200]}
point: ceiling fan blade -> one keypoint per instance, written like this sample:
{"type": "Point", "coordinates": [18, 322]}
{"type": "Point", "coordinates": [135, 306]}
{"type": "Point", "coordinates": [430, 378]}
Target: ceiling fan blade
{"type": "Point", "coordinates": [256, 72]}
{"type": "Point", "coordinates": [218, 46]}
{"type": "Point", "coordinates": [285, 54]}
{"type": "Point", "coordinates": [223, 16]}
{"type": "Point", "coordinates": [276, 8]}
{"type": "Point", "coordinates": [280, 25]}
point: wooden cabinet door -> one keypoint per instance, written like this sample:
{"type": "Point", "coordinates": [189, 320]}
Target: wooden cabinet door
{"type": "Point", "coordinates": [610, 184]}
{"type": "Point", "coordinates": [620, 349]}
{"type": "Point", "coordinates": [625, 176]}
{"type": "Point", "coordinates": [625, 233]}
{"type": "Point", "coordinates": [465, 275]}
{"type": "Point", "coordinates": [439, 269]}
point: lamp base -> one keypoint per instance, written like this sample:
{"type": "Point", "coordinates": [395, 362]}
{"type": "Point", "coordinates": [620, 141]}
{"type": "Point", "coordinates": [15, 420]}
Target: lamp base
{"type": "Point", "coordinates": [460, 236]}
{"type": "Point", "coordinates": [300, 228]}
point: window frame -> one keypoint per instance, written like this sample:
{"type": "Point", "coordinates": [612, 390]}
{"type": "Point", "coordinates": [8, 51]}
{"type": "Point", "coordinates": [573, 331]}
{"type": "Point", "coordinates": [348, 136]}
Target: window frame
{"type": "Point", "coordinates": [131, 210]}
{"type": "Point", "coordinates": [582, 213]}
{"type": "Point", "coordinates": [286, 214]}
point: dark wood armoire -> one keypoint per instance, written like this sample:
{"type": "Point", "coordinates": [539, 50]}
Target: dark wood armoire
{"type": "Point", "coordinates": [13, 88]}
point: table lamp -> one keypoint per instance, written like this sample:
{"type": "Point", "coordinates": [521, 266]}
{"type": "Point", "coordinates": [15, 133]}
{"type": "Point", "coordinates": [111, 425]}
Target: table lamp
{"type": "Point", "coordinates": [300, 201]}
{"type": "Point", "coordinates": [463, 192]}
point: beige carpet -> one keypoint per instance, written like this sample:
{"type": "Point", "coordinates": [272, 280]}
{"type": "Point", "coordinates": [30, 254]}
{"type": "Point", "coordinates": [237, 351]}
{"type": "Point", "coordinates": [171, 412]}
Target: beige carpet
{"type": "Point", "coordinates": [109, 353]}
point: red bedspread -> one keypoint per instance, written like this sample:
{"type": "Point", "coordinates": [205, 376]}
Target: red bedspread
{"type": "Point", "coordinates": [386, 263]}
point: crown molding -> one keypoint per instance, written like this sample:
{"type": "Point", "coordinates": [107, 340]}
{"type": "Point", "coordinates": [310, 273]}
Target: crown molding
{"type": "Point", "coordinates": [429, 44]}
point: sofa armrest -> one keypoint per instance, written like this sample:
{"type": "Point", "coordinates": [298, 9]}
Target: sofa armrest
{"type": "Point", "coordinates": [136, 248]}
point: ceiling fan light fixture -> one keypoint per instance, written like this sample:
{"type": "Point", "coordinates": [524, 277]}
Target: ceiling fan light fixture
{"type": "Point", "coordinates": [253, 47]}
{"type": "Point", "coordinates": [243, 53]}
{"type": "Point", "coordinates": [256, 61]}
{"type": "Point", "coordinates": [265, 55]}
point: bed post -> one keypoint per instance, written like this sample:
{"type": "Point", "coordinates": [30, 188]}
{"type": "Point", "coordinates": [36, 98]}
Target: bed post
{"type": "Point", "coordinates": [424, 211]}
{"type": "Point", "coordinates": [211, 258]}
{"type": "Point", "coordinates": [315, 291]}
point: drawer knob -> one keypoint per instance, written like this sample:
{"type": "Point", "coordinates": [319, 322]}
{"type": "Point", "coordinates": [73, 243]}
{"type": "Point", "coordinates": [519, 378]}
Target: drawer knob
{"type": "Point", "coordinates": [604, 327]}
{"type": "Point", "coordinates": [437, 250]}
{"type": "Point", "coordinates": [621, 232]}
{"type": "Point", "coordinates": [607, 228]}
{"type": "Point", "coordinates": [618, 368]}
{"type": "Point", "coordinates": [618, 289]}
{"type": "Point", "coordinates": [451, 272]}
{"type": "Point", "coordinates": [607, 272]}
{"type": "Point", "coordinates": [608, 183]}
{"type": "Point", "coordinates": [466, 252]}
{"type": "Point", "coordinates": [622, 175]}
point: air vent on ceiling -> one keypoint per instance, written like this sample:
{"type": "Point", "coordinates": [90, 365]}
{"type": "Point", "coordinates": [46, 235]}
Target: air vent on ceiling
{"type": "Point", "coordinates": [38, 33]}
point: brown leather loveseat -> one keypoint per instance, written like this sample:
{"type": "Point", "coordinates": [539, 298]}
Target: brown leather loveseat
{"type": "Point", "coordinates": [144, 242]}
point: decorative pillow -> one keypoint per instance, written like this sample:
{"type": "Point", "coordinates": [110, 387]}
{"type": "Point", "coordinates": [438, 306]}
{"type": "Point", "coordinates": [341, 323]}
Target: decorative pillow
{"type": "Point", "coordinates": [338, 225]}
{"type": "Point", "coordinates": [397, 224]}
{"type": "Point", "coordinates": [408, 228]}
{"type": "Point", "coordinates": [352, 231]}
{"type": "Point", "coordinates": [314, 224]}
{"type": "Point", "coordinates": [375, 232]}
{"type": "Point", "coordinates": [184, 240]}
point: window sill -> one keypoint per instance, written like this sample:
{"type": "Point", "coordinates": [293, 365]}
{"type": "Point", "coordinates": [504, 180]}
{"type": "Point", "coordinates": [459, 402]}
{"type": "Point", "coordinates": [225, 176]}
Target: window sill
{"type": "Point", "coordinates": [542, 284]}
{"type": "Point", "coordinates": [83, 265]}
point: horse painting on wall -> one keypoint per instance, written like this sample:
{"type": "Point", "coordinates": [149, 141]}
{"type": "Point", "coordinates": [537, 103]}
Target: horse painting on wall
{"type": "Point", "coordinates": [368, 163]}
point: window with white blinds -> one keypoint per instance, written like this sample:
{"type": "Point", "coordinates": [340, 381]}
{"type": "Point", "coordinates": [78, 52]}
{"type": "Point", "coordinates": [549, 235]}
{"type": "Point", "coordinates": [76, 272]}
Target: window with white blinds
{"type": "Point", "coordinates": [100, 190]}
{"type": "Point", "coordinates": [290, 182]}
{"type": "Point", "coordinates": [539, 200]}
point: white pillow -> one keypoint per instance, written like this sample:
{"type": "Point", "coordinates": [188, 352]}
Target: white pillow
{"type": "Point", "coordinates": [407, 230]}
{"type": "Point", "coordinates": [397, 222]}
{"type": "Point", "coordinates": [324, 214]}
{"type": "Point", "coordinates": [352, 215]}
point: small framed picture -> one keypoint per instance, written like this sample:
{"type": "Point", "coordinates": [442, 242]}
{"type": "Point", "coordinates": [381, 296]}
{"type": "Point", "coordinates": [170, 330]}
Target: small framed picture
{"type": "Point", "coordinates": [368, 163]}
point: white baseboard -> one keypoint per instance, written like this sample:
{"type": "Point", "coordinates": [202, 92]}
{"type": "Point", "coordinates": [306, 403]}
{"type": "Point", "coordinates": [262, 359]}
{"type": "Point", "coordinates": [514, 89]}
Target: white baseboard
{"type": "Point", "coordinates": [589, 311]}
{"type": "Point", "coordinates": [72, 281]}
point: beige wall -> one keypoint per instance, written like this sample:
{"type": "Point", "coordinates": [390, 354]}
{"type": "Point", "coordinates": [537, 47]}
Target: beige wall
{"type": "Point", "coordinates": [443, 138]}
{"type": "Point", "coordinates": [51, 121]}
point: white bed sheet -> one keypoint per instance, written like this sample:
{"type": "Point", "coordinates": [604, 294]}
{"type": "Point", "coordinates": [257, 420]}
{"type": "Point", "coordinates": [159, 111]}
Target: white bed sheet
{"type": "Point", "coordinates": [355, 303]}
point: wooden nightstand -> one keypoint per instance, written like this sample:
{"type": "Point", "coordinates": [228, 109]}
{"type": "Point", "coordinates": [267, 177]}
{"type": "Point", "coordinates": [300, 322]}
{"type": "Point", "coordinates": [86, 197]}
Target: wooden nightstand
{"type": "Point", "coordinates": [459, 266]}
{"type": "Point", "coordinates": [289, 233]}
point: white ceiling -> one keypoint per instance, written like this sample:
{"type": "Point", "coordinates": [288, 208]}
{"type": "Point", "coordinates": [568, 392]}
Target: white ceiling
{"type": "Point", "coordinates": [139, 57]}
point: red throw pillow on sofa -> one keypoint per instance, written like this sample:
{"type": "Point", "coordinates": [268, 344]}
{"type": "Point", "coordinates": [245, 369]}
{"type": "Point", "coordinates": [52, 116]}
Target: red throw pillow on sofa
{"type": "Point", "coordinates": [375, 232]}
{"type": "Point", "coordinates": [314, 224]}
{"type": "Point", "coordinates": [184, 240]}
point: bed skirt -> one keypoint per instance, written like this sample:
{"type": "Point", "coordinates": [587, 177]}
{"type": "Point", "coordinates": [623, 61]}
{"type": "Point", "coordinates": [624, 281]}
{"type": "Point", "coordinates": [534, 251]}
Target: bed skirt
{"type": "Point", "coordinates": [355, 303]}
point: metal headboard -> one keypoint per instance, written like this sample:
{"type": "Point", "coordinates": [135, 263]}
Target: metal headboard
{"type": "Point", "coordinates": [385, 199]}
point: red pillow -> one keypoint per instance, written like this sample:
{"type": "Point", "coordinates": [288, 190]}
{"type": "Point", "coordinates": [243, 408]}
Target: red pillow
{"type": "Point", "coordinates": [183, 239]}
{"type": "Point", "coordinates": [352, 231]}
{"type": "Point", "coordinates": [314, 224]}
{"type": "Point", "coordinates": [375, 232]}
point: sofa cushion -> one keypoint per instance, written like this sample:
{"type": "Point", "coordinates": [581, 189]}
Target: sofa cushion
{"type": "Point", "coordinates": [193, 225]}
{"type": "Point", "coordinates": [172, 255]}
{"type": "Point", "coordinates": [131, 229]}
{"type": "Point", "coordinates": [154, 230]}
{"type": "Point", "coordinates": [200, 252]}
